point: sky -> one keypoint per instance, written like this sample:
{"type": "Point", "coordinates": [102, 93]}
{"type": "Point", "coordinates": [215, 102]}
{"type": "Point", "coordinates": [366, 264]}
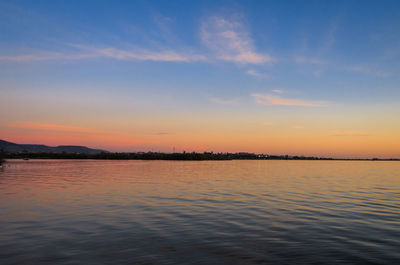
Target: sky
{"type": "Point", "coordinates": [276, 77]}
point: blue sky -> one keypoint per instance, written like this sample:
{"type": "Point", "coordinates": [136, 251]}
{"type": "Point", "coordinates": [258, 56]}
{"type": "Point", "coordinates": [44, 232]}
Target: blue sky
{"type": "Point", "coordinates": [262, 60]}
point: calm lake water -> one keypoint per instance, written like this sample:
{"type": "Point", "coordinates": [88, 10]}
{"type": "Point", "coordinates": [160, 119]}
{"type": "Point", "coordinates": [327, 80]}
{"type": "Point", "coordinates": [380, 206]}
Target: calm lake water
{"type": "Point", "coordinates": [212, 212]}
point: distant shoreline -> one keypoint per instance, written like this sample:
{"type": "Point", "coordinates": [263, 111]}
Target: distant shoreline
{"type": "Point", "coordinates": [40, 151]}
{"type": "Point", "coordinates": [206, 156]}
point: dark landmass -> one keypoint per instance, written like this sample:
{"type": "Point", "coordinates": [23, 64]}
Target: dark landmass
{"type": "Point", "coordinates": [175, 156]}
{"type": "Point", "coordinates": [12, 150]}
{"type": "Point", "coordinates": [159, 156]}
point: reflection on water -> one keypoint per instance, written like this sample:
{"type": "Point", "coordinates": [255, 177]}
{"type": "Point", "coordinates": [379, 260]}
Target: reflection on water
{"type": "Point", "coordinates": [211, 212]}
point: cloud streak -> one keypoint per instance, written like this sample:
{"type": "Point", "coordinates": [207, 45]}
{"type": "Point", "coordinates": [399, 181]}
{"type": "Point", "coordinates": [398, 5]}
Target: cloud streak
{"type": "Point", "coordinates": [265, 99]}
{"type": "Point", "coordinates": [231, 41]}
{"type": "Point", "coordinates": [110, 53]}
{"type": "Point", "coordinates": [363, 69]}
{"type": "Point", "coordinates": [348, 133]}
{"type": "Point", "coordinates": [277, 91]}
{"type": "Point", "coordinates": [227, 39]}
{"type": "Point", "coordinates": [51, 127]}
{"type": "Point", "coordinates": [147, 55]}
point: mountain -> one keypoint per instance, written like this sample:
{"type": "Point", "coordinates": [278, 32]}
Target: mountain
{"type": "Point", "coordinates": [10, 147]}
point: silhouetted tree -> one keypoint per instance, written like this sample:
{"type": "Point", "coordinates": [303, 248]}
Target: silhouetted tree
{"type": "Point", "coordinates": [163, 156]}
{"type": "Point", "coordinates": [2, 156]}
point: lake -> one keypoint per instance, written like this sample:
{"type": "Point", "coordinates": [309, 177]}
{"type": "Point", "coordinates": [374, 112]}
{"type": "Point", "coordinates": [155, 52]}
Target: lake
{"type": "Point", "coordinates": [199, 212]}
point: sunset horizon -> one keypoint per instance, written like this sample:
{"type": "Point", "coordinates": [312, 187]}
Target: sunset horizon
{"type": "Point", "coordinates": [176, 149]}
{"type": "Point", "coordinates": [199, 132]}
{"type": "Point", "coordinates": [203, 76]}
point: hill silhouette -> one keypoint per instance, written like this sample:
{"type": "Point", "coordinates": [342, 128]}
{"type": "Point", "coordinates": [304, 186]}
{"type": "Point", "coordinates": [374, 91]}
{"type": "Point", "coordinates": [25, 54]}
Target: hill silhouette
{"type": "Point", "coordinates": [13, 148]}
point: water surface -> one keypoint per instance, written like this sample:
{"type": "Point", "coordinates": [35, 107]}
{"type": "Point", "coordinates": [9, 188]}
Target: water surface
{"type": "Point", "coordinates": [202, 212]}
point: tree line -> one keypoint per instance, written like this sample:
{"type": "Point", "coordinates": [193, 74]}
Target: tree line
{"type": "Point", "coordinates": [160, 156]}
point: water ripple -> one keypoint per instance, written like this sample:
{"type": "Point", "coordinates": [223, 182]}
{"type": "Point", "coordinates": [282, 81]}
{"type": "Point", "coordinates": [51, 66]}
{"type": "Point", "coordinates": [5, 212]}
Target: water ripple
{"type": "Point", "coordinates": [210, 212]}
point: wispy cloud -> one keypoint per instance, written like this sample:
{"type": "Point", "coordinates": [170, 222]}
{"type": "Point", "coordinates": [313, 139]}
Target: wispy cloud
{"type": "Point", "coordinates": [316, 63]}
{"type": "Point", "coordinates": [315, 57]}
{"type": "Point", "coordinates": [267, 123]}
{"type": "Point", "coordinates": [257, 74]}
{"type": "Point", "coordinates": [224, 101]}
{"type": "Point", "coordinates": [85, 52]}
{"type": "Point", "coordinates": [347, 133]}
{"type": "Point", "coordinates": [147, 55]}
{"type": "Point", "coordinates": [162, 133]}
{"type": "Point", "coordinates": [231, 41]}
{"type": "Point", "coordinates": [276, 100]}
{"type": "Point", "coordinates": [318, 73]}
{"type": "Point", "coordinates": [227, 38]}
{"type": "Point", "coordinates": [298, 127]}
{"type": "Point", "coordinates": [77, 132]}
{"type": "Point", "coordinates": [46, 56]}
{"type": "Point", "coordinates": [364, 69]}
{"type": "Point", "coordinates": [331, 35]}
{"type": "Point", "coordinates": [164, 28]}
{"type": "Point", "coordinates": [277, 91]}
{"type": "Point", "coordinates": [51, 127]}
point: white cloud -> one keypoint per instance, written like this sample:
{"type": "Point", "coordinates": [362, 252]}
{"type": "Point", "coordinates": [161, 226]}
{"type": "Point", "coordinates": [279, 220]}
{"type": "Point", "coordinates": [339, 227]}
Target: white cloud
{"type": "Point", "coordinates": [231, 41]}
{"type": "Point", "coordinates": [276, 100]}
